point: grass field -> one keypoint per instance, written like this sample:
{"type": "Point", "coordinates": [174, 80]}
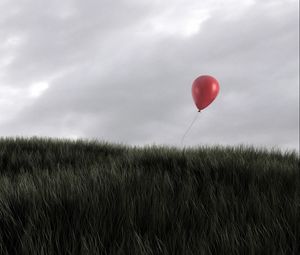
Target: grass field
{"type": "Point", "coordinates": [87, 197]}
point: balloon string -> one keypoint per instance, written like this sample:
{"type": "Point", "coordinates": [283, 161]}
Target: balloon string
{"type": "Point", "coordinates": [188, 129]}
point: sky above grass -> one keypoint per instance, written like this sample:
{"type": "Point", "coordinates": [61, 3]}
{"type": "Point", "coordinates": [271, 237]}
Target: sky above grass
{"type": "Point", "coordinates": [122, 70]}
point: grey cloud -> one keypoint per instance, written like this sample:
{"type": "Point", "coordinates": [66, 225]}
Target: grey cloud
{"type": "Point", "coordinates": [122, 87]}
{"type": "Point", "coordinates": [50, 43]}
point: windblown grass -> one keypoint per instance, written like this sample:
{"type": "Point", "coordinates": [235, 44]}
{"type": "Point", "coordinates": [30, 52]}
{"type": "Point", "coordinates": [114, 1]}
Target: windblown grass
{"type": "Point", "coordinates": [87, 197]}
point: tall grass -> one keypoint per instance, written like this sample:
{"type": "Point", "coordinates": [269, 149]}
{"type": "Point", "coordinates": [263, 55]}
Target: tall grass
{"type": "Point", "coordinates": [89, 197]}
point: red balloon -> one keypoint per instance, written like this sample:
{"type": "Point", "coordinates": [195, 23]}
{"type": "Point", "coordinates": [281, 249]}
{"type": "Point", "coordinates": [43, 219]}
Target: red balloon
{"type": "Point", "coordinates": [204, 90]}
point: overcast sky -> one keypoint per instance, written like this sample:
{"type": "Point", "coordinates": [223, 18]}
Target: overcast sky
{"type": "Point", "coordinates": [122, 71]}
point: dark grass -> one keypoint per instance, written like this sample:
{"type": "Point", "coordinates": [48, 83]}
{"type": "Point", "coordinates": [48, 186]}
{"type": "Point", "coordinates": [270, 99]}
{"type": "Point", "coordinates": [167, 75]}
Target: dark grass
{"type": "Point", "coordinates": [86, 197]}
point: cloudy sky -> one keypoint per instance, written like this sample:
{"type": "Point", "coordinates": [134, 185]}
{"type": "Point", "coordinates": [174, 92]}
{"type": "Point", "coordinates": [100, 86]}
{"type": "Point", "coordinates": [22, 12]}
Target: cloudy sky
{"type": "Point", "coordinates": [122, 70]}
